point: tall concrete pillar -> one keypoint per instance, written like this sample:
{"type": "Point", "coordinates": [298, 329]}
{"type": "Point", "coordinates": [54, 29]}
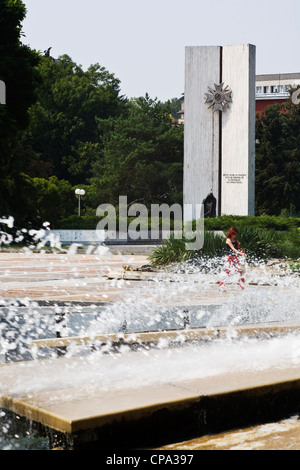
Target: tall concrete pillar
{"type": "Point", "coordinates": [219, 138]}
{"type": "Point", "coordinates": [201, 126]}
{"type": "Point", "coordinates": [238, 131]}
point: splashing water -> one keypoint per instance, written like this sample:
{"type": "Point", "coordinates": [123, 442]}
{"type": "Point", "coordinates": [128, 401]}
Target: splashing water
{"type": "Point", "coordinates": [183, 296]}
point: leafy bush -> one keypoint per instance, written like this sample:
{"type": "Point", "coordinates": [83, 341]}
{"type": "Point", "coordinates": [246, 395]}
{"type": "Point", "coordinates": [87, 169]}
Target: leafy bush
{"type": "Point", "coordinates": [263, 222]}
{"type": "Point", "coordinates": [89, 222]}
{"type": "Point", "coordinates": [76, 222]}
{"type": "Point", "coordinates": [290, 244]}
{"type": "Point", "coordinates": [258, 244]}
{"type": "Point", "coordinates": [214, 245]}
{"type": "Point", "coordinates": [261, 237]}
{"type": "Point", "coordinates": [223, 222]}
{"type": "Point", "coordinates": [170, 251]}
{"type": "Point", "coordinates": [174, 250]}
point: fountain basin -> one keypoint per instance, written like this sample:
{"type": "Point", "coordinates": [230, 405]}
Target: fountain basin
{"type": "Point", "coordinates": [90, 413]}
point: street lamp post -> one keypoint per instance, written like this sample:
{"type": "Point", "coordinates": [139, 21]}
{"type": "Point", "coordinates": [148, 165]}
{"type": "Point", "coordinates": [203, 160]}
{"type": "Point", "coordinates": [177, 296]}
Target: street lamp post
{"type": "Point", "coordinates": [79, 192]}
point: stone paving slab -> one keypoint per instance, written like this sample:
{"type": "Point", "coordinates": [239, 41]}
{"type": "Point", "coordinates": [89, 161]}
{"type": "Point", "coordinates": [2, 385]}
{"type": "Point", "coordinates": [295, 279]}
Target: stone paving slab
{"type": "Point", "coordinates": [100, 277]}
{"type": "Point", "coordinates": [82, 277]}
{"type": "Point", "coordinates": [43, 276]}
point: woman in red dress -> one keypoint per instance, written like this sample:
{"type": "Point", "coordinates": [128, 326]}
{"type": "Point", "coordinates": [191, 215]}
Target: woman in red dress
{"type": "Point", "coordinates": [232, 257]}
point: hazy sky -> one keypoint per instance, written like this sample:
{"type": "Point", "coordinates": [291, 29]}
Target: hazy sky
{"type": "Point", "coordinates": [143, 42]}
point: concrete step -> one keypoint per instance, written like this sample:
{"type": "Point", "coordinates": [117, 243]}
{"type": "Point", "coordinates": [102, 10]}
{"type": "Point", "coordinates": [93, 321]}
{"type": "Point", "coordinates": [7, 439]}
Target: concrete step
{"type": "Point", "coordinates": [262, 330]}
{"type": "Point", "coordinates": [86, 415]}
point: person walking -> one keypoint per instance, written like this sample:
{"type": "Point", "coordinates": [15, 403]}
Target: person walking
{"type": "Point", "coordinates": [233, 254]}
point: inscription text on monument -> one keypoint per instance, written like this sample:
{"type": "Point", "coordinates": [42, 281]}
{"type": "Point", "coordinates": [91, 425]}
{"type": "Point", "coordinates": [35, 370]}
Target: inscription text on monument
{"type": "Point", "coordinates": [234, 177]}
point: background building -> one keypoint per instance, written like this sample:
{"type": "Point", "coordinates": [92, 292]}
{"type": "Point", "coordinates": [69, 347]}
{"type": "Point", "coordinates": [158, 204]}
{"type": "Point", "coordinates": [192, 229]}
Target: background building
{"type": "Point", "coordinates": [269, 89]}
{"type": "Point", "coordinates": [274, 89]}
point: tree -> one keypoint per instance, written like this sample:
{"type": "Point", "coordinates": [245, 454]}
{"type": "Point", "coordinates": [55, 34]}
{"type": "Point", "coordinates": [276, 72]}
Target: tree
{"type": "Point", "coordinates": [63, 128]}
{"type": "Point", "coordinates": [17, 65]}
{"type": "Point", "coordinates": [54, 199]}
{"type": "Point", "coordinates": [278, 160]}
{"type": "Point", "coordinates": [142, 156]}
{"type": "Point", "coordinates": [18, 70]}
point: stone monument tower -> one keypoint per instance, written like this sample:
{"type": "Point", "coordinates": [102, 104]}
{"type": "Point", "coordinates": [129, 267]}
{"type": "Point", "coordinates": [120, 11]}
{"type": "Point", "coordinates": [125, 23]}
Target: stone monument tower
{"type": "Point", "coordinates": [219, 130]}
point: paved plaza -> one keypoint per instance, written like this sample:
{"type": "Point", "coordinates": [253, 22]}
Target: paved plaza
{"type": "Point", "coordinates": [105, 277]}
{"type": "Point", "coordinates": [62, 276]}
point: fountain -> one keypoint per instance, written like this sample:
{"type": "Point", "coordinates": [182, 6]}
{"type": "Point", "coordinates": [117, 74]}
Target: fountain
{"type": "Point", "coordinates": [58, 352]}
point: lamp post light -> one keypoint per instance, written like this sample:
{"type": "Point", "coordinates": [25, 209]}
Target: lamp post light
{"type": "Point", "coordinates": [79, 192]}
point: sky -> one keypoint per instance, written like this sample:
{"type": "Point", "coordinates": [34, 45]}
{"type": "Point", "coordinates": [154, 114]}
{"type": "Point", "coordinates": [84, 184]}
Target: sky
{"type": "Point", "coordinates": [142, 42]}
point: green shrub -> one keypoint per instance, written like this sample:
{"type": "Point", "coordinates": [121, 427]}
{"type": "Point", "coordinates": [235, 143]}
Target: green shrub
{"type": "Point", "coordinates": [263, 222]}
{"type": "Point", "coordinates": [261, 237]}
{"type": "Point", "coordinates": [85, 222]}
{"type": "Point", "coordinates": [214, 245]}
{"type": "Point", "coordinates": [224, 222]}
{"type": "Point", "coordinates": [174, 250]}
{"type": "Point", "coordinates": [295, 267]}
{"type": "Point", "coordinates": [170, 251]}
{"type": "Point", "coordinates": [290, 244]}
{"type": "Point", "coordinates": [89, 222]}
{"type": "Point", "coordinates": [258, 244]}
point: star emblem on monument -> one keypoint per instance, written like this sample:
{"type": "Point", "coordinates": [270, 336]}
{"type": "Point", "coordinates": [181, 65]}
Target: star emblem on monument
{"type": "Point", "coordinates": [219, 97]}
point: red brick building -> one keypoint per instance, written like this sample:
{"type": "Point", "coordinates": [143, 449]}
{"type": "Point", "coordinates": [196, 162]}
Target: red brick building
{"type": "Point", "coordinates": [274, 89]}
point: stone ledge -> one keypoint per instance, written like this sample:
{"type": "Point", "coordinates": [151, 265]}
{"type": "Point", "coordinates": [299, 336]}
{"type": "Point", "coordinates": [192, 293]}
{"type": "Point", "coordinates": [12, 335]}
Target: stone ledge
{"type": "Point", "coordinates": [193, 334]}
{"type": "Point", "coordinates": [150, 416]}
{"type": "Point", "coordinates": [90, 416]}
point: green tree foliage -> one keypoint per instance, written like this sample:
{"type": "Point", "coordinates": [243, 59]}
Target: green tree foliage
{"type": "Point", "coordinates": [54, 199]}
{"type": "Point", "coordinates": [175, 107]}
{"type": "Point", "coordinates": [18, 70]}
{"type": "Point", "coordinates": [63, 126]}
{"type": "Point", "coordinates": [278, 160]}
{"type": "Point", "coordinates": [17, 65]}
{"type": "Point", "coordinates": [63, 123]}
{"type": "Point", "coordinates": [142, 156]}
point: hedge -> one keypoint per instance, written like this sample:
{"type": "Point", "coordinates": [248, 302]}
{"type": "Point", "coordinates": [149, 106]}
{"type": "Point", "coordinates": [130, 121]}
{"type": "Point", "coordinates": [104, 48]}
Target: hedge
{"type": "Point", "coordinates": [224, 222]}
